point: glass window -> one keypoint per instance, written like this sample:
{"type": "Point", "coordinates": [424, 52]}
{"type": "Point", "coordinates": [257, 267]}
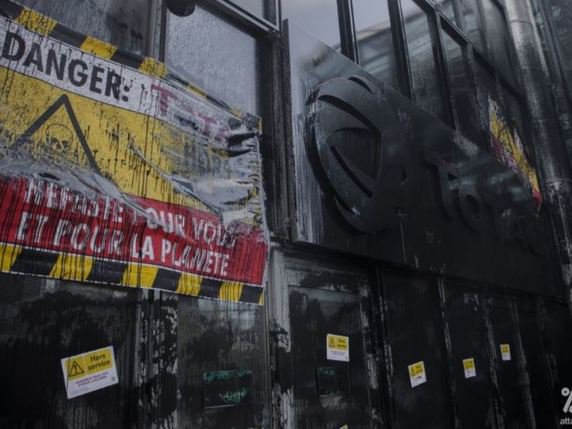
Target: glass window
{"type": "Point", "coordinates": [559, 14]}
{"type": "Point", "coordinates": [516, 115]}
{"type": "Point", "coordinates": [472, 22]}
{"type": "Point", "coordinates": [221, 345]}
{"type": "Point", "coordinates": [318, 17]}
{"type": "Point", "coordinates": [122, 23]}
{"type": "Point", "coordinates": [461, 89]}
{"type": "Point", "coordinates": [422, 58]}
{"type": "Point", "coordinates": [200, 48]}
{"type": "Point", "coordinates": [374, 40]}
{"type": "Point", "coordinates": [487, 96]}
{"type": "Point", "coordinates": [498, 39]}
{"type": "Point", "coordinates": [260, 8]}
{"type": "Point", "coordinates": [447, 8]}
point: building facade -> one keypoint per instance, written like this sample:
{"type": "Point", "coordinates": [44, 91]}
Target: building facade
{"type": "Point", "coordinates": [292, 214]}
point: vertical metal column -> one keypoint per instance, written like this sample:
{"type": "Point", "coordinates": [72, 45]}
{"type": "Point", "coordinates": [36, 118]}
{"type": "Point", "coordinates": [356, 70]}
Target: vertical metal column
{"type": "Point", "coordinates": [548, 145]}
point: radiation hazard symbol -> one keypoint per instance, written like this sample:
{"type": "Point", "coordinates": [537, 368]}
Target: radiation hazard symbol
{"type": "Point", "coordinates": [89, 371]}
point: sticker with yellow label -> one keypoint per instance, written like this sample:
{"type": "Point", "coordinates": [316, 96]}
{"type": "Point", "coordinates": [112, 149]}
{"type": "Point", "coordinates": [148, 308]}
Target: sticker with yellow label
{"type": "Point", "coordinates": [470, 368]}
{"type": "Point", "coordinates": [417, 374]}
{"type": "Point", "coordinates": [505, 352]}
{"type": "Point", "coordinates": [87, 372]}
{"type": "Point", "coordinates": [338, 348]}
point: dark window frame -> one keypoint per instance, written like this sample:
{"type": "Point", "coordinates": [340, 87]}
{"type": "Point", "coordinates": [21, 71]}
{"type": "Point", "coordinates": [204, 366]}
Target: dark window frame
{"type": "Point", "coordinates": [465, 44]}
{"type": "Point", "coordinates": [490, 54]}
{"type": "Point", "coordinates": [433, 17]}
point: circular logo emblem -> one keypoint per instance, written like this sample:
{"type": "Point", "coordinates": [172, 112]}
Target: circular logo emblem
{"type": "Point", "coordinates": [352, 135]}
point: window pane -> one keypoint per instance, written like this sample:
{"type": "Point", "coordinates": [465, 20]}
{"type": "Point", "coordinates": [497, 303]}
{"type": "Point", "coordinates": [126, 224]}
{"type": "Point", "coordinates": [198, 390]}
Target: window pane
{"type": "Point", "coordinates": [260, 8]}
{"type": "Point", "coordinates": [375, 42]}
{"type": "Point", "coordinates": [559, 13]}
{"type": "Point", "coordinates": [120, 22]}
{"type": "Point", "coordinates": [446, 6]}
{"type": "Point", "coordinates": [498, 39]}
{"type": "Point", "coordinates": [517, 117]}
{"type": "Point", "coordinates": [461, 89]}
{"type": "Point", "coordinates": [318, 17]}
{"type": "Point", "coordinates": [488, 99]}
{"type": "Point", "coordinates": [472, 23]}
{"type": "Point", "coordinates": [486, 85]}
{"type": "Point", "coordinates": [200, 48]}
{"type": "Point", "coordinates": [422, 58]}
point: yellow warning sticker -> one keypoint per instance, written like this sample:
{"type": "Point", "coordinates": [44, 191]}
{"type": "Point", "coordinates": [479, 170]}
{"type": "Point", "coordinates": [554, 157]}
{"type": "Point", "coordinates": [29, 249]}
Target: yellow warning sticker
{"type": "Point", "coordinates": [338, 348]}
{"type": "Point", "coordinates": [89, 371]}
{"type": "Point", "coordinates": [417, 373]}
{"type": "Point", "coordinates": [75, 367]}
{"type": "Point", "coordinates": [505, 352]}
{"type": "Point", "coordinates": [469, 367]}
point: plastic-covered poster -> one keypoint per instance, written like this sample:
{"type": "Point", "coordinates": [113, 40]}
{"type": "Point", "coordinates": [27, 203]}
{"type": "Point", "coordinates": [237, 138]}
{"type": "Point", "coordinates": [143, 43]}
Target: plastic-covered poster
{"type": "Point", "coordinates": [114, 171]}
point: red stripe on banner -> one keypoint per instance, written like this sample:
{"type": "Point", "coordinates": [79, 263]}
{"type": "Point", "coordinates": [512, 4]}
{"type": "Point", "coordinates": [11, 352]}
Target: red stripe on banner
{"type": "Point", "coordinates": [44, 215]}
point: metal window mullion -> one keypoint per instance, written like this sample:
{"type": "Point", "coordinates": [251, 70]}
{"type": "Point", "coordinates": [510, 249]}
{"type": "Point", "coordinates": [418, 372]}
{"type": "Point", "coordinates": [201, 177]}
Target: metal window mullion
{"type": "Point", "coordinates": [347, 38]}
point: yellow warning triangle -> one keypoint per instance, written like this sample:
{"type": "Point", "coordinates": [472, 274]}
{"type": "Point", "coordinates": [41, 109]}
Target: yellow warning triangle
{"type": "Point", "coordinates": [56, 135]}
{"type": "Point", "coordinates": [75, 370]}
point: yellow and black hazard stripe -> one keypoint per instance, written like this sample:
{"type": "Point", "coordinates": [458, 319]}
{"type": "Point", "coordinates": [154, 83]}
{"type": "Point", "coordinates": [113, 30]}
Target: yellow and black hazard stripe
{"type": "Point", "coordinates": [46, 26]}
{"type": "Point", "coordinates": [80, 268]}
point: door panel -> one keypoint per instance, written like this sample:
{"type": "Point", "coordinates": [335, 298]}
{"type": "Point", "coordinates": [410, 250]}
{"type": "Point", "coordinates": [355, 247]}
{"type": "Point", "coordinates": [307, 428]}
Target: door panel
{"type": "Point", "coordinates": [221, 357]}
{"type": "Point", "coordinates": [473, 395]}
{"type": "Point", "coordinates": [43, 321]}
{"type": "Point", "coordinates": [415, 334]}
{"type": "Point", "coordinates": [559, 328]}
{"type": "Point", "coordinates": [509, 375]}
{"type": "Point", "coordinates": [324, 356]}
{"type": "Point", "coordinates": [328, 393]}
{"type": "Point", "coordinates": [536, 364]}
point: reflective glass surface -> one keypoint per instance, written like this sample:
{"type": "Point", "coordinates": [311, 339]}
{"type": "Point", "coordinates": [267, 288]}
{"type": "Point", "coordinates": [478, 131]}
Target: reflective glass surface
{"type": "Point", "coordinates": [122, 23]}
{"type": "Point", "coordinates": [498, 39]}
{"type": "Point", "coordinates": [472, 22]}
{"type": "Point", "coordinates": [447, 8]}
{"type": "Point", "coordinates": [260, 8]}
{"type": "Point", "coordinates": [461, 88]}
{"type": "Point", "coordinates": [517, 116]}
{"type": "Point", "coordinates": [422, 58]}
{"type": "Point", "coordinates": [201, 47]}
{"type": "Point", "coordinates": [319, 18]}
{"type": "Point", "coordinates": [374, 39]}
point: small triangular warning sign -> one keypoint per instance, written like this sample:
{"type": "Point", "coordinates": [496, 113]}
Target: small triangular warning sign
{"type": "Point", "coordinates": [74, 369]}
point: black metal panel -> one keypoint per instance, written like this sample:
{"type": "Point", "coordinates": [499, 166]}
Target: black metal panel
{"type": "Point", "coordinates": [43, 321]}
{"type": "Point", "coordinates": [221, 371]}
{"type": "Point", "coordinates": [415, 334]}
{"type": "Point", "coordinates": [559, 330]}
{"type": "Point", "coordinates": [473, 396]}
{"type": "Point", "coordinates": [511, 379]}
{"type": "Point", "coordinates": [543, 401]}
{"type": "Point", "coordinates": [401, 186]}
{"type": "Point", "coordinates": [327, 393]}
